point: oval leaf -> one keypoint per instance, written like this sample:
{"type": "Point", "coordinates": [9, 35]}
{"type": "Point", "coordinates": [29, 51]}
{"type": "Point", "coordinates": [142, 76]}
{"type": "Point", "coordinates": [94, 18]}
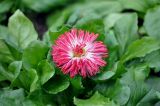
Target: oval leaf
{"type": "Point", "coordinates": [152, 22]}
{"type": "Point", "coordinates": [45, 71]}
{"type": "Point", "coordinates": [96, 100]}
{"type": "Point", "coordinates": [140, 48]}
{"type": "Point", "coordinates": [22, 30]}
{"type": "Point", "coordinates": [33, 54]}
{"type": "Point", "coordinates": [57, 84]}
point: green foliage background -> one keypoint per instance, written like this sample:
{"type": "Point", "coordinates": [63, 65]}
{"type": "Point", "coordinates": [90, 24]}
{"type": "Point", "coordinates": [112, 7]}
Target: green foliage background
{"type": "Point", "coordinates": [129, 28]}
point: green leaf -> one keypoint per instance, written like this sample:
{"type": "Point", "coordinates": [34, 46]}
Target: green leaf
{"type": "Point", "coordinates": [45, 71]}
{"type": "Point", "coordinates": [94, 25]}
{"type": "Point", "coordinates": [157, 104]}
{"type": "Point", "coordinates": [29, 103]}
{"type": "Point", "coordinates": [80, 17]}
{"type": "Point", "coordinates": [134, 78]}
{"type": "Point", "coordinates": [3, 32]}
{"type": "Point", "coordinates": [76, 86]}
{"type": "Point", "coordinates": [126, 31]}
{"type": "Point", "coordinates": [119, 93]}
{"type": "Point", "coordinates": [76, 82]}
{"type": "Point", "coordinates": [92, 10]}
{"type": "Point", "coordinates": [5, 35]}
{"type": "Point", "coordinates": [5, 53]}
{"type": "Point", "coordinates": [105, 7]}
{"type": "Point", "coordinates": [113, 64]}
{"type": "Point", "coordinates": [58, 19]}
{"type": "Point", "coordinates": [104, 76]}
{"type": "Point", "coordinates": [118, 68]}
{"type": "Point", "coordinates": [153, 2]}
{"type": "Point", "coordinates": [140, 48]}
{"type": "Point", "coordinates": [110, 20]}
{"type": "Point", "coordinates": [138, 5]}
{"type": "Point", "coordinates": [136, 73]}
{"type": "Point", "coordinates": [56, 23]}
{"type": "Point", "coordinates": [138, 91]}
{"type": "Point", "coordinates": [11, 97]}
{"type": "Point", "coordinates": [102, 7]}
{"type": "Point", "coordinates": [14, 69]}
{"type": "Point", "coordinates": [3, 73]}
{"type": "Point", "coordinates": [153, 83]}
{"type": "Point", "coordinates": [40, 98]}
{"type": "Point", "coordinates": [11, 72]}
{"type": "Point", "coordinates": [152, 22]}
{"type": "Point", "coordinates": [43, 6]}
{"type": "Point", "coordinates": [153, 60]}
{"type": "Point", "coordinates": [5, 5]}
{"type": "Point", "coordinates": [149, 99]}
{"type": "Point", "coordinates": [34, 53]}
{"type": "Point", "coordinates": [57, 84]}
{"type": "Point", "coordinates": [55, 33]}
{"type": "Point", "coordinates": [22, 30]}
{"type": "Point", "coordinates": [27, 79]}
{"type": "Point", "coordinates": [111, 40]}
{"type": "Point", "coordinates": [141, 72]}
{"type": "Point", "coordinates": [96, 100]}
{"type": "Point", "coordinates": [112, 71]}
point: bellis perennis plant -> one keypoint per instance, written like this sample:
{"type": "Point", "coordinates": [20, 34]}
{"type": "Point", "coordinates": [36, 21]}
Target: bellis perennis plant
{"type": "Point", "coordinates": [129, 77]}
{"type": "Point", "coordinates": [77, 52]}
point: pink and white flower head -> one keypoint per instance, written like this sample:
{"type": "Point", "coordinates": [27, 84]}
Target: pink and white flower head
{"type": "Point", "coordinates": [77, 52]}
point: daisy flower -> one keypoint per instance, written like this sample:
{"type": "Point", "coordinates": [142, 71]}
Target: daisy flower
{"type": "Point", "coordinates": [77, 52]}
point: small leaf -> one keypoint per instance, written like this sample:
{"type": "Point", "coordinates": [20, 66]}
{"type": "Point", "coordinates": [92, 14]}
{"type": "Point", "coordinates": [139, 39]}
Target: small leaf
{"type": "Point", "coordinates": [56, 84]}
{"type": "Point", "coordinates": [96, 100]}
{"type": "Point", "coordinates": [5, 5]}
{"type": "Point", "coordinates": [4, 32]}
{"type": "Point", "coordinates": [138, 5]}
{"type": "Point", "coordinates": [34, 53]}
{"type": "Point", "coordinates": [153, 60]}
{"type": "Point", "coordinates": [94, 25]}
{"type": "Point", "coordinates": [110, 20]}
{"type": "Point", "coordinates": [138, 91]}
{"type": "Point", "coordinates": [22, 30]}
{"type": "Point", "coordinates": [119, 93]}
{"type": "Point", "coordinates": [43, 6]}
{"type": "Point", "coordinates": [149, 99]}
{"type": "Point", "coordinates": [153, 83]}
{"type": "Point", "coordinates": [118, 68]}
{"type": "Point", "coordinates": [152, 22]}
{"type": "Point", "coordinates": [126, 31]}
{"type": "Point", "coordinates": [136, 73]}
{"type": "Point", "coordinates": [14, 69]}
{"type": "Point", "coordinates": [39, 98]}
{"type": "Point", "coordinates": [57, 19]}
{"type": "Point", "coordinates": [45, 71]}
{"type": "Point", "coordinates": [27, 79]}
{"type": "Point", "coordinates": [76, 82]}
{"type": "Point", "coordinates": [80, 17]}
{"type": "Point", "coordinates": [92, 10]}
{"type": "Point", "coordinates": [104, 76]}
{"type": "Point", "coordinates": [3, 73]}
{"type": "Point", "coordinates": [12, 97]}
{"type": "Point", "coordinates": [11, 72]}
{"type": "Point", "coordinates": [134, 79]}
{"type": "Point", "coordinates": [140, 48]}
{"type": "Point", "coordinates": [54, 34]}
{"type": "Point", "coordinates": [5, 53]}
{"type": "Point", "coordinates": [111, 40]}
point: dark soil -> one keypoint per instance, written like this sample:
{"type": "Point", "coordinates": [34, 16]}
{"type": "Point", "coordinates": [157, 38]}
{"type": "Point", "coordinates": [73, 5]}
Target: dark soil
{"type": "Point", "coordinates": [39, 21]}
